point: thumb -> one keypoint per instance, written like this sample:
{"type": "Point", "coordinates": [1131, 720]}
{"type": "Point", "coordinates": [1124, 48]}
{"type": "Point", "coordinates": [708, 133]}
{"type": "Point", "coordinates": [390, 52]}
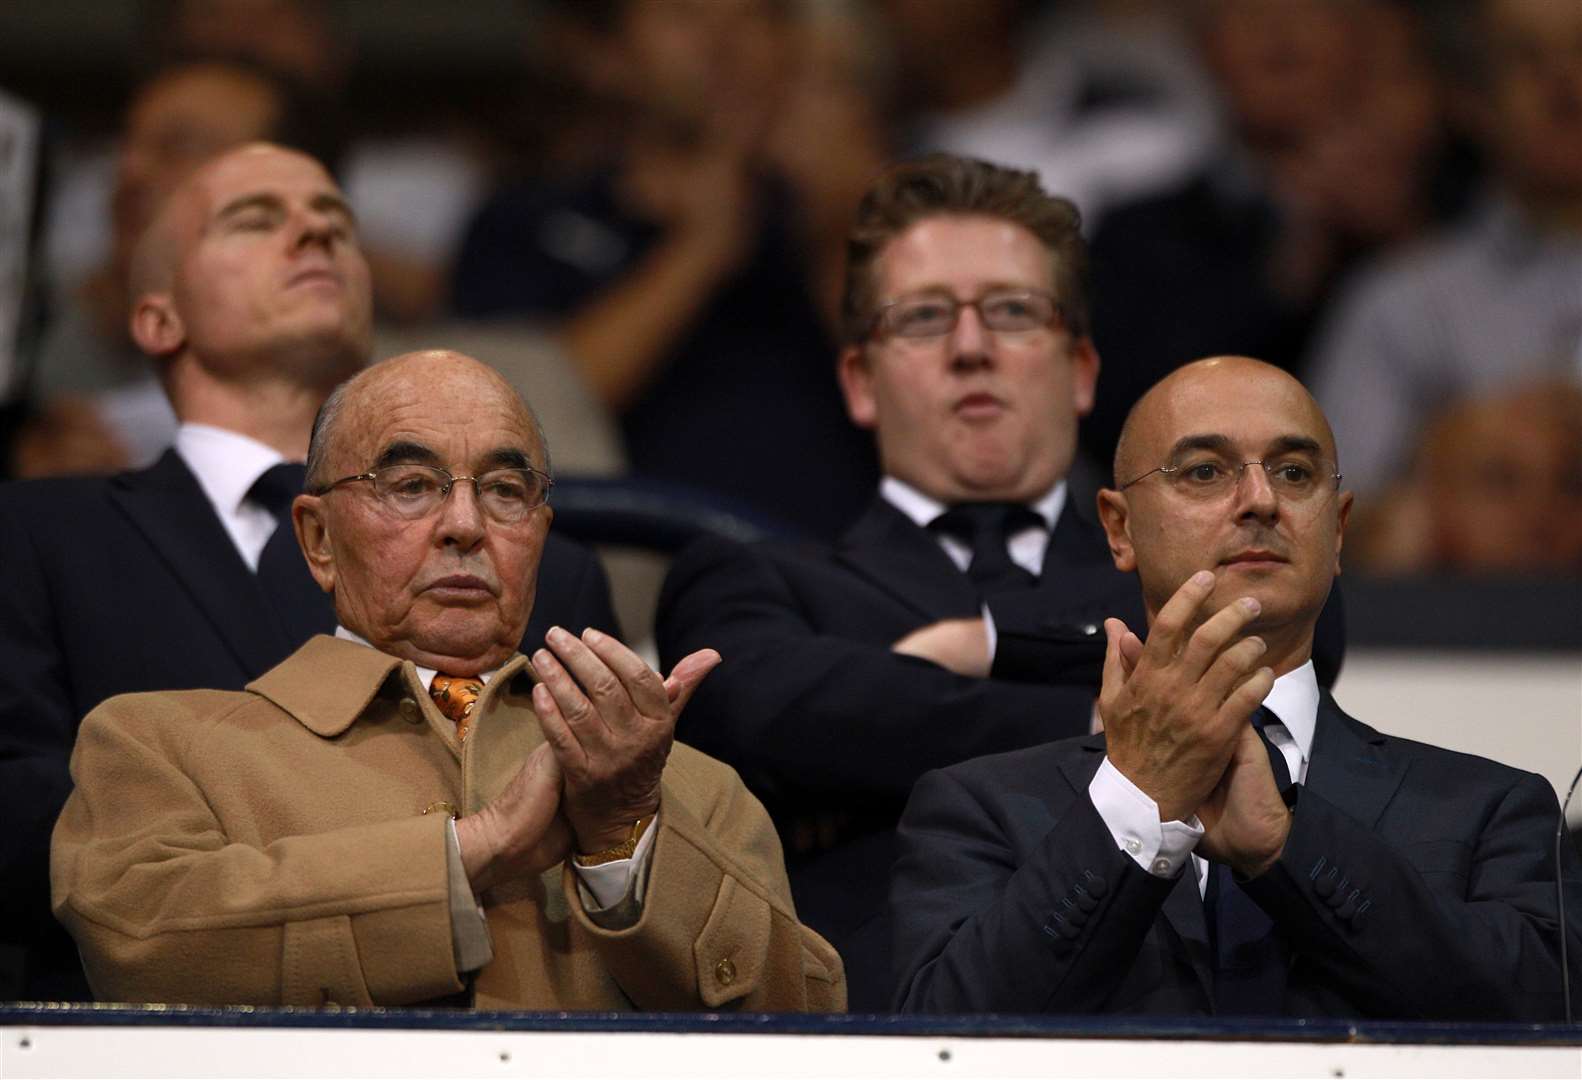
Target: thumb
{"type": "Point", "coordinates": [685, 677]}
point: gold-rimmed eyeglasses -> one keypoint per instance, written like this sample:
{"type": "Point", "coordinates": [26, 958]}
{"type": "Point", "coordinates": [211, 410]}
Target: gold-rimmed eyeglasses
{"type": "Point", "coordinates": [413, 491]}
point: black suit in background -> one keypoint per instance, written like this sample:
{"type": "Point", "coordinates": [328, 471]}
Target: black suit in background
{"type": "Point", "coordinates": [1417, 883]}
{"type": "Point", "coordinates": [131, 583]}
{"type": "Point", "coordinates": [831, 729]}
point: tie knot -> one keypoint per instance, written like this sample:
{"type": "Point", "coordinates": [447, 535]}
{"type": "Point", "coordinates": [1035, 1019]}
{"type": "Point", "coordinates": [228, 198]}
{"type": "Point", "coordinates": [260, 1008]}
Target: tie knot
{"type": "Point", "coordinates": [278, 485]}
{"type": "Point", "coordinates": [977, 522]}
{"type": "Point", "coordinates": [455, 696]}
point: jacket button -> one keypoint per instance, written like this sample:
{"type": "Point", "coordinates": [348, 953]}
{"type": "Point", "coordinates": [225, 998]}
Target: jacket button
{"type": "Point", "coordinates": [410, 711]}
{"type": "Point", "coordinates": [725, 972]}
{"type": "Point", "coordinates": [1094, 884]}
{"type": "Point", "coordinates": [1325, 885]}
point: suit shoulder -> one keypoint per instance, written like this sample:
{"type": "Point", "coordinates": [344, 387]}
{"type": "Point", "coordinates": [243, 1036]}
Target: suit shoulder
{"type": "Point", "coordinates": [1036, 762]}
{"type": "Point", "coordinates": [1445, 768]}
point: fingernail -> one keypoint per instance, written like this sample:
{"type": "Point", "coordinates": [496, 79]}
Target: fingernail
{"type": "Point", "coordinates": [556, 634]}
{"type": "Point", "coordinates": [541, 658]}
{"type": "Point", "coordinates": [1203, 578]}
{"type": "Point", "coordinates": [592, 636]}
{"type": "Point", "coordinates": [1251, 604]}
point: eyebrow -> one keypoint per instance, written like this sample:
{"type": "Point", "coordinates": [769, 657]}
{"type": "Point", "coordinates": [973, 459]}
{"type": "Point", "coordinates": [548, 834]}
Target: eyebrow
{"type": "Point", "coordinates": [1220, 444]}
{"type": "Point", "coordinates": [324, 202]}
{"type": "Point", "coordinates": [414, 453]}
{"type": "Point", "coordinates": [406, 453]}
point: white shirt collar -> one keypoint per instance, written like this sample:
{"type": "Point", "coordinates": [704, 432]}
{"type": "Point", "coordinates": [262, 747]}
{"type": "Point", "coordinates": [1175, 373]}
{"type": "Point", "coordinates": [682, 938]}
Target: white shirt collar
{"type": "Point", "coordinates": [226, 463]}
{"type": "Point", "coordinates": [1294, 699]}
{"type": "Point", "coordinates": [922, 509]}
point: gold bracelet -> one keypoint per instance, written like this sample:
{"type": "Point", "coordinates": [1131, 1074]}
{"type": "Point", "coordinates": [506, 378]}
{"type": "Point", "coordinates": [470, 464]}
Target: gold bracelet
{"type": "Point", "coordinates": [623, 850]}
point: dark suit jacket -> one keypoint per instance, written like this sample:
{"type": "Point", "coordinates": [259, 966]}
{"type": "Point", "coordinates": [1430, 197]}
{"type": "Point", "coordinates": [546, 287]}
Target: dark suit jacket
{"type": "Point", "coordinates": [1417, 883]}
{"type": "Point", "coordinates": [831, 729]}
{"type": "Point", "coordinates": [131, 583]}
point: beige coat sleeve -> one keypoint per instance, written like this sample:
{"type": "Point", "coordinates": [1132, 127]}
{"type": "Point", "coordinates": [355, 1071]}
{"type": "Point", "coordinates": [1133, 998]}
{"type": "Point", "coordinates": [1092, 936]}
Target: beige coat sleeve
{"type": "Point", "coordinates": [717, 928]}
{"type": "Point", "coordinates": [166, 907]}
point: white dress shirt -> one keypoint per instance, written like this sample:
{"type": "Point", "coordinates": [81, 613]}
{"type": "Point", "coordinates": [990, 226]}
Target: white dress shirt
{"type": "Point", "coordinates": [1163, 847]}
{"type": "Point", "coordinates": [1026, 545]}
{"type": "Point", "coordinates": [227, 465]}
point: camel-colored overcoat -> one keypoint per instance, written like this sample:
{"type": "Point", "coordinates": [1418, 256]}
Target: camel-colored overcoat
{"type": "Point", "coordinates": [271, 847]}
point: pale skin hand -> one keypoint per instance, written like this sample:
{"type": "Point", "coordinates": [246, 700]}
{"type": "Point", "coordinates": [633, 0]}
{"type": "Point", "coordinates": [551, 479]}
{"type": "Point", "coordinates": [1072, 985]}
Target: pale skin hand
{"type": "Point", "coordinates": [1174, 709]}
{"type": "Point", "coordinates": [521, 833]}
{"type": "Point", "coordinates": [610, 721]}
{"type": "Point", "coordinates": [959, 645]}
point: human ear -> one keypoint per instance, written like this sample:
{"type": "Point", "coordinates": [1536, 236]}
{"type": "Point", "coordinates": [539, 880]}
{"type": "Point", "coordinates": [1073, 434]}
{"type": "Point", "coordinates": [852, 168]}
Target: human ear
{"type": "Point", "coordinates": [856, 383]}
{"type": "Point", "coordinates": [156, 326]}
{"type": "Point", "coordinates": [1115, 516]}
{"type": "Point", "coordinates": [1343, 514]}
{"type": "Point", "coordinates": [1084, 375]}
{"type": "Point", "coordinates": [313, 536]}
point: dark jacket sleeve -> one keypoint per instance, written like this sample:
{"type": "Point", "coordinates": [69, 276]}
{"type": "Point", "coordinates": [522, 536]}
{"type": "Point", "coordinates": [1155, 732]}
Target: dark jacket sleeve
{"type": "Point", "coordinates": [811, 703]}
{"type": "Point", "coordinates": [38, 725]}
{"type": "Point", "coordinates": [1000, 909]}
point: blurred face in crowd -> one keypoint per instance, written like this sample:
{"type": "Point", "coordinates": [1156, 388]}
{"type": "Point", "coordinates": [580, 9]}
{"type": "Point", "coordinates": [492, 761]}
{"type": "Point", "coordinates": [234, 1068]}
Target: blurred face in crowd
{"type": "Point", "coordinates": [1283, 64]}
{"type": "Point", "coordinates": [973, 413]}
{"type": "Point", "coordinates": [1262, 535]}
{"type": "Point", "coordinates": [451, 589]}
{"type": "Point", "coordinates": [178, 122]}
{"type": "Point", "coordinates": [1534, 114]}
{"type": "Point", "coordinates": [253, 267]}
{"type": "Point", "coordinates": [1504, 483]}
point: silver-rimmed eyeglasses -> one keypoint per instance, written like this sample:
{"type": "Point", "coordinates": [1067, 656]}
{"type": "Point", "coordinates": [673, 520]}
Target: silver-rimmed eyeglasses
{"type": "Point", "coordinates": [1293, 478]}
{"type": "Point", "coordinates": [933, 315]}
{"type": "Point", "coordinates": [413, 491]}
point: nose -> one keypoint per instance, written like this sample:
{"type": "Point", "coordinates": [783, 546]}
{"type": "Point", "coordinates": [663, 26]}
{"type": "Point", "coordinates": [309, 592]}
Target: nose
{"type": "Point", "coordinates": [315, 226]}
{"type": "Point", "coordinates": [971, 344]}
{"type": "Point", "coordinates": [461, 523]}
{"type": "Point", "coordinates": [1255, 497]}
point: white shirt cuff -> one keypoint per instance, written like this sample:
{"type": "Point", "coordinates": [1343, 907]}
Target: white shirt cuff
{"type": "Point", "coordinates": [602, 887]}
{"type": "Point", "coordinates": [990, 633]}
{"type": "Point", "coordinates": [1160, 847]}
{"type": "Point", "coordinates": [469, 927]}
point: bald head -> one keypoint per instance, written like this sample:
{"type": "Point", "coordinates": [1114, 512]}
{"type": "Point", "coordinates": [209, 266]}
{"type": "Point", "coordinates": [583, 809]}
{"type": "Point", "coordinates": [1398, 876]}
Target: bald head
{"type": "Point", "coordinates": [1183, 393]}
{"type": "Point", "coordinates": [428, 373]}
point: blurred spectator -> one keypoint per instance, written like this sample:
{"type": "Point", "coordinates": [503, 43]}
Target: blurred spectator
{"type": "Point", "coordinates": [1333, 132]}
{"type": "Point", "coordinates": [101, 407]}
{"type": "Point", "coordinates": [1496, 488]}
{"type": "Point", "coordinates": [691, 273]}
{"type": "Point", "coordinates": [1102, 98]}
{"type": "Point", "coordinates": [1497, 300]}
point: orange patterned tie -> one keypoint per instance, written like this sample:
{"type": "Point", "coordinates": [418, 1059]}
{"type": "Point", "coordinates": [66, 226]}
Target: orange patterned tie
{"type": "Point", "coordinates": [456, 695]}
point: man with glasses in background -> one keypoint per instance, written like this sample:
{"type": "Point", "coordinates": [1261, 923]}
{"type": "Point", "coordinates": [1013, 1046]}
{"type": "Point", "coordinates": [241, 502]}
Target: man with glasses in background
{"type": "Point", "coordinates": [1233, 843]}
{"type": "Point", "coordinates": [961, 613]}
{"type": "Point", "coordinates": [412, 811]}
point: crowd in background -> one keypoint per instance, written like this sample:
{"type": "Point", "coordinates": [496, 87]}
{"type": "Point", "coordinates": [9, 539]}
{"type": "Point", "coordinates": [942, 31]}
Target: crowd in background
{"type": "Point", "coordinates": [1383, 197]}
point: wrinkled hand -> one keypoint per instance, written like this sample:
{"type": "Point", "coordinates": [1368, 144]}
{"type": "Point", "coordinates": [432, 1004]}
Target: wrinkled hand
{"type": "Point", "coordinates": [1245, 821]}
{"type": "Point", "coordinates": [610, 720]}
{"type": "Point", "coordinates": [1174, 708]}
{"type": "Point", "coordinates": [521, 832]}
{"type": "Point", "coordinates": [959, 645]}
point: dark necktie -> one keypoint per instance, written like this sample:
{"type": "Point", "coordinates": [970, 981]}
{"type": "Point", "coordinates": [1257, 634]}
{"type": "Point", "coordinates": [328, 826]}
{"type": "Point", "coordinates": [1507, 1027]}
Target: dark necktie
{"type": "Point", "coordinates": [987, 527]}
{"type": "Point", "coordinates": [1249, 956]}
{"type": "Point", "coordinates": [301, 609]}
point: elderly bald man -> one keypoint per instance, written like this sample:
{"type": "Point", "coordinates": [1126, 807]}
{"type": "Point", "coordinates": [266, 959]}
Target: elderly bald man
{"type": "Point", "coordinates": [411, 810]}
{"type": "Point", "coordinates": [252, 302]}
{"type": "Point", "coordinates": [1190, 862]}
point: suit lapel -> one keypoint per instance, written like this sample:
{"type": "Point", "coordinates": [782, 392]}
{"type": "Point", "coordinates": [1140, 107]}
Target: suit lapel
{"type": "Point", "coordinates": [1351, 765]}
{"type": "Point", "coordinates": [887, 548]}
{"type": "Point", "coordinates": [165, 504]}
